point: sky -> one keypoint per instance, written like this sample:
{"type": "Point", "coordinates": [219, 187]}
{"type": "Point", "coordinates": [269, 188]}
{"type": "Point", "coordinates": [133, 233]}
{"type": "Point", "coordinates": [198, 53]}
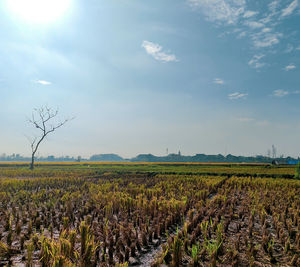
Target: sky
{"type": "Point", "coordinates": [199, 76]}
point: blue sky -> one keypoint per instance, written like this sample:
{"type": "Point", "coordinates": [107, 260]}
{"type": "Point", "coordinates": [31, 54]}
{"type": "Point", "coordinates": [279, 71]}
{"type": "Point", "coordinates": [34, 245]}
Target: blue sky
{"type": "Point", "coordinates": [199, 76]}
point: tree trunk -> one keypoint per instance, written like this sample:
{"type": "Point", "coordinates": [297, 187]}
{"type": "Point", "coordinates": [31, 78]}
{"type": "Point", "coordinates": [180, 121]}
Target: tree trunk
{"type": "Point", "coordinates": [32, 162]}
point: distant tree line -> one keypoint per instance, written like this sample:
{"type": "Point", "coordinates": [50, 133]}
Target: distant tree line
{"type": "Point", "coordinates": [18, 157]}
{"type": "Point", "coordinates": [213, 159]}
{"type": "Point", "coordinates": [152, 158]}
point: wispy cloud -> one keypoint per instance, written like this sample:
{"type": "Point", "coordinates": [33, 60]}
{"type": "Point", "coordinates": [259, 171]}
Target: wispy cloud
{"type": "Point", "coordinates": [249, 14]}
{"type": "Point", "coordinates": [237, 95]}
{"type": "Point", "coordinates": [289, 9]}
{"type": "Point", "coordinates": [218, 81]}
{"type": "Point", "coordinates": [263, 26]}
{"type": "Point", "coordinates": [263, 123]}
{"type": "Point", "coordinates": [156, 51]}
{"type": "Point", "coordinates": [245, 119]}
{"type": "Point", "coordinates": [255, 61]}
{"type": "Point", "coordinates": [266, 29]}
{"type": "Point", "coordinates": [274, 5]}
{"type": "Point", "coordinates": [289, 48]}
{"type": "Point", "coordinates": [266, 39]}
{"type": "Point", "coordinates": [262, 30]}
{"type": "Point", "coordinates": [280, 93]}
{"type": "Point", "coordinates": [289, 67]}
{"type": "Point", "coordinates": [242, 34]}
{"type": "Point", "coordinates": [228, 11]}
{"type": "Point", "coordinates": [254, 24]}
{"type": "Point", "coordinates": [42, 82]}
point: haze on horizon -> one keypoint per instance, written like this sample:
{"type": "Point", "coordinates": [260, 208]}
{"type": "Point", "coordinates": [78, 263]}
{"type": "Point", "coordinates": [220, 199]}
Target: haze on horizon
{"type": "Point", "coordinates": [219, 76]}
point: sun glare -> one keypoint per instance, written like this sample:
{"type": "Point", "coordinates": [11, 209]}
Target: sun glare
{"type": "Point", "coordinates": [39, 11]}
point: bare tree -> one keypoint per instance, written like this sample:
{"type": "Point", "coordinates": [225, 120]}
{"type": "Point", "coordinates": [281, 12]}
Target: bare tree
{"type": "Point", "coordinates": [42, 119]}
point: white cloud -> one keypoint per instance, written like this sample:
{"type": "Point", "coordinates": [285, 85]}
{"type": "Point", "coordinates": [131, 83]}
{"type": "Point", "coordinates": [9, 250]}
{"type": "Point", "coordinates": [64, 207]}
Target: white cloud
{"type": "Point", "coordinates": [280, 93]}
{"type": "Point", "coordinates": [266, 30]}
{"type": "Point", "coordinates": [228, 11]}
{"type": "Point", "coordinates": [298, 48]}
{"type": "Point", "coordinates": [289, 67]}
{"type": "Point", "coordinates": [156, 51]}
{"type": "Point", "coordinates": [289, 9]}
{"type": "Point", "coordinates": [254, 24]}
{"type": "Point", "coordinates": [249, 14]}
{"type": "Point", "coordinates": [261, 28]}
{"type": "Point", "coordinates": [242, 34]}
{"type": "Point", "coordinates": [237, 95]}
{"type": "Point", "coordinates": [274, 5]}
{"type": "Point", "coordinates": [267, 19]}
{"type": "Point", "coordinates": [43, 82]}
{"type": "Point", "coordinates": [255, 61]}
{"type": "Point", "coordinates": [266, 40]}
{"type": "Point", "coordinates": [218, 81]}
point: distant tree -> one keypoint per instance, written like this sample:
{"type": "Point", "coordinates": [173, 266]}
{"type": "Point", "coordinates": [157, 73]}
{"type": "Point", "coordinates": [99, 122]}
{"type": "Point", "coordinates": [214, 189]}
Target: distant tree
{"type": "Point", "coordinates": [106, 157]}
{"type": "Point", "coordinates": [43, 120]}
{"type": "Point", "coordinates": [297, 171]}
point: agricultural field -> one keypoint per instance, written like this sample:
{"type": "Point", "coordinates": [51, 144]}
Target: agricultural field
{"type": "Point", "coordinates": [91, 214]}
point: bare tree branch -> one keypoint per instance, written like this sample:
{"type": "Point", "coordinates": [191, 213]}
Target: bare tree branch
{"type": "Point", "coordinates": [45, 114]}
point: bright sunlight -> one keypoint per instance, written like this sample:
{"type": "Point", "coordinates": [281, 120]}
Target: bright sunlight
{"type": "Point", "coordinates": [39, 11]}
